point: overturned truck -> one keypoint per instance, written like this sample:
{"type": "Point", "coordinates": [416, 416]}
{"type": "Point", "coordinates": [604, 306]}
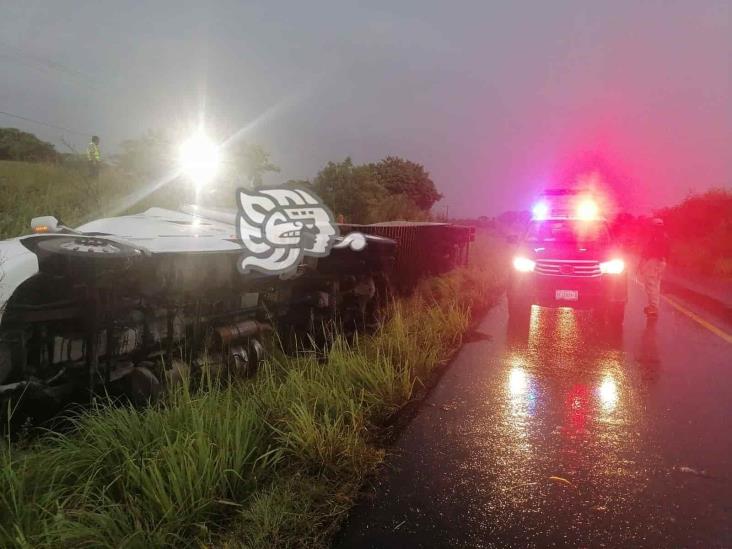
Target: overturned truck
{"type": "Point", "coordinates": [117, 303]}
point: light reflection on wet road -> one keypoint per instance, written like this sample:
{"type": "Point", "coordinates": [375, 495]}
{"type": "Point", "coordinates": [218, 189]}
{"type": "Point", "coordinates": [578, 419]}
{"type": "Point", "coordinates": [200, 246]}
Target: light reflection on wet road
{"type": "Point", "coordinates": [562, 432]}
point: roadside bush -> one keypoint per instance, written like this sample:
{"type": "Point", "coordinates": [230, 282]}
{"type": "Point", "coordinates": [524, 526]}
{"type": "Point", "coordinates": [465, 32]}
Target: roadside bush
{"type": "Point", "coordinates": [701, 233]}
{"type": "Point", "coordinates": [19, 145]}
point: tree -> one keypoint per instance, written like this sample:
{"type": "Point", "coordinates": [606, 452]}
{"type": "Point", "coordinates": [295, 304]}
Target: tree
{"type": "Point", "coordinates": [349, 190]}
{"type": "Point", "coordinates": [391, 189]}
{"type": "Point", "coordinates": [19, 145]}
{"type": "Point", "coordinates": [403, 177]}
{"type": "Point", "coordinates": [148, 157]}
{"type": "Point", "coordinates": [155, 154]}
{"type": "Point", "coordinates": [244, 165]}
{"type": "Point", "coordinates": [700, 228]}
{"type": "Point", "coordinates": [249, 162]}
{"type": "Point", "coordinates": [398, 207]}
{"type": "Point", "coordinates": [513, 221]}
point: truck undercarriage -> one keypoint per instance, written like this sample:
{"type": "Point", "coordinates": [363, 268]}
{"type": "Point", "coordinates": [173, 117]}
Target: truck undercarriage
{"type": "Point", "coordinates": [102, 314]}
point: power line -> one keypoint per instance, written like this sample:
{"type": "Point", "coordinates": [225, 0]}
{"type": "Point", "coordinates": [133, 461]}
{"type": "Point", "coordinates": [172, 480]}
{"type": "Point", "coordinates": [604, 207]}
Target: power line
{"type": "Point", "coordinates": [43, 123]}
{"type": "Point", "coordinates": [47, 64]}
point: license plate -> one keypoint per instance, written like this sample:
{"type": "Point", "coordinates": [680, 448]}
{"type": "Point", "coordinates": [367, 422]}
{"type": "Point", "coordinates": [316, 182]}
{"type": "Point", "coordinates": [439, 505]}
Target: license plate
{"type": "Point", "coordinates": [566, 295]}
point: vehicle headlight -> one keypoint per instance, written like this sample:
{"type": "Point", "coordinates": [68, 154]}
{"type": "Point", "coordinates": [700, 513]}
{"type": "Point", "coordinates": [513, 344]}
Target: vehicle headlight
{"type": "Point", "coordinates": [199, 158]}
{"type": "Point", "coordinates": [523, 264]}
{"type": "Point", "coordinates": [614, 266]}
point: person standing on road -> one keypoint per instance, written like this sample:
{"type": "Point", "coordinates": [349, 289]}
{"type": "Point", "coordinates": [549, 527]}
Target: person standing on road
{"type": "Point", "coordinates": [652, 265]}
{"type": "Point", "coordinates": [93, 157]}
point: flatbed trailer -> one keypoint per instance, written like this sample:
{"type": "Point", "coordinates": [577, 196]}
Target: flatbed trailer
{"type": "Point", "coordinates": [422, 249]}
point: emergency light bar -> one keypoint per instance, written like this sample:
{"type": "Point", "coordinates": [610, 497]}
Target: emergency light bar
{"type": "Point", "coordinates": [565, 203]}
{"type": "Point", "coordinates": [540, 211]}
{"type": "Point", "coordinates": [587, 209]}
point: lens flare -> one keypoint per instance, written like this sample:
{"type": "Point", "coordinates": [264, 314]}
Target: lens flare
{"type": "Point", "coordinates": [614, 266]}
{"type": "Point", "coordinates": [199, 158]}
{"type": "Point", "coordinates": [523, 264]}
{"type": "Point", "coordinates": [540, 211]}
{"type": "Point", "coordinates": [518, 381]}
{"type": "Point", "coordinates": [587, 209]}
{"type": "Point", "coordinates": [608, 393]}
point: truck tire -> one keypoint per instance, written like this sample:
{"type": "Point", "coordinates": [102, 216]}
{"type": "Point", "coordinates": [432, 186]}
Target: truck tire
{"type": "Point", "coordinates": [87, 246]}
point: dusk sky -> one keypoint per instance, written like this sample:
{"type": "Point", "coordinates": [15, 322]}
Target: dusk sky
{"type": "Point", "coordinates": [496, 99]}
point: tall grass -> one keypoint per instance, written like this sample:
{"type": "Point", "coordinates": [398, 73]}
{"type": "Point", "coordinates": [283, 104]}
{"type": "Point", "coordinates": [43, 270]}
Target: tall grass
{"type": "Point", "coordinates": [33, 189]}
{"type": "Point", "coordinates": [273, 461]}
{"type": "Point", "coordinates": [135, 478]}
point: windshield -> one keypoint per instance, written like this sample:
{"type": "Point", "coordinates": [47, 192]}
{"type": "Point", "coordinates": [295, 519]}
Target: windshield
{"type": "Point", "coordinates": [566, 231]}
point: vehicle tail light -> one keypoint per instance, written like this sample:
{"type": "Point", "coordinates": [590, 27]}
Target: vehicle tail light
{"type": "Point", "coordinates": [614, 266]}
{"type": "Point", "coordinates": [523, 264]}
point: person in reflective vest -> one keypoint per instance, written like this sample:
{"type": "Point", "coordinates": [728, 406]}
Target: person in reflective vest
{"type": "Point", "coordinates": [93, 157]}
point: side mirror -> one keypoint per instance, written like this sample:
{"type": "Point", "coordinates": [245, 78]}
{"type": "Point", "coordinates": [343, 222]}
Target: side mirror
{"type": "Point", "coordinates": [45, 224]}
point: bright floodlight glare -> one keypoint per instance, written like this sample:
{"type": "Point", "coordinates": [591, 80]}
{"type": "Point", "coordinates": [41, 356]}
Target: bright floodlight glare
{"type": "Point", "coordinates": [199, 158]}
{"type": "Point", "coordinates": [614, 266]}
{"type": "Point", "coordinates": [541, 210]}
{"type": "Point", "coordinates": [587, 209]}
{"type": "Point", "coordinates": [608, 393]}
{"type": "Point", "coordinates": [518, 381]}
{"type": "Point", "coordinates": [523, 264]}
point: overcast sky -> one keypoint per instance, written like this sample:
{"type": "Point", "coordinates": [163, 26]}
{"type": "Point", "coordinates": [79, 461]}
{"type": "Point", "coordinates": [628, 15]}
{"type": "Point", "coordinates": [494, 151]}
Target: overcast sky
{"type": "Point", "coordinates": [496, 99]}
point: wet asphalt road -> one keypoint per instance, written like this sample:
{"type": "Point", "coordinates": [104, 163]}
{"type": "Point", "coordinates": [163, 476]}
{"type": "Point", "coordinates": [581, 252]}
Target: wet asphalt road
{"type": "Point", "coordinates": [565, 434]}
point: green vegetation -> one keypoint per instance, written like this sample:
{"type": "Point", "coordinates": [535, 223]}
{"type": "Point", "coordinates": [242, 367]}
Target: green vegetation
{"type": "Point", "coordinates": [273, 461]}
{"type": "Point", "coordinates": [33, 189]}
{"type": "Point", "coordinates": [129, 181]}
{"type": "Point", "coordinates": [392, 188]}
{"type": "Point", "coordinates": [155, 154]}
{"type": "Point", "coordinates": [19, 145]}
{"type": "Point", "coordinates": [67, 192]}
{"type": "Point", "coordinates": [700, 228]}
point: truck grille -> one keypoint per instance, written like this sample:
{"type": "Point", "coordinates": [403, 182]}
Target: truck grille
{"type": "Point", "coordinates": [568, 267]}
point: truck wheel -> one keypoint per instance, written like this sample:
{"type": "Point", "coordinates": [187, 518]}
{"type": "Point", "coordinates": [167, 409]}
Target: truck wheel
{"type": "Point", "coordinates": [88, 246]}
